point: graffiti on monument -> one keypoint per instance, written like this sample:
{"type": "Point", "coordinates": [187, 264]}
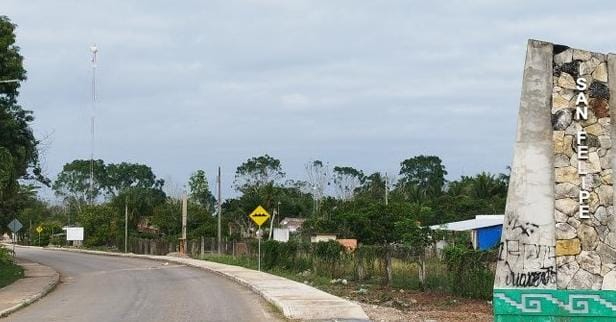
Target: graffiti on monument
{"type": "Point", "coordinates": [528, 264]}
{"type": "Point", "coordinates": [519, 254]}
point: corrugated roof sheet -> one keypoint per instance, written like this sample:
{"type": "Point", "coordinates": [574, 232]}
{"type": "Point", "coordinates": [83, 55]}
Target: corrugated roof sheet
{"type": "Point", "coordinates": [480, 221]}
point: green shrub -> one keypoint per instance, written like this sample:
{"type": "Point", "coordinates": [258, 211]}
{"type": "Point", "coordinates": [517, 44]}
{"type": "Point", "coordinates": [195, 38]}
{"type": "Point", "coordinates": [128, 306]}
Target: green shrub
{"type": "Point", "coordinates": [9, 272]}
{"type": "Point", "coordinates": [469, 273]}
{"type": "Point", "coordinates": [328, 257]}
{"type": "Point", "coordinates": [6, 256]}
{"type": "Point", "coordinates": [287, 255]}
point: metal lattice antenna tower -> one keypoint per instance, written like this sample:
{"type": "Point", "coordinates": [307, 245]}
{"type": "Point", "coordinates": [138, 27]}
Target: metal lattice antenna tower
{"type": "Point", "coordinates": [94, 51]}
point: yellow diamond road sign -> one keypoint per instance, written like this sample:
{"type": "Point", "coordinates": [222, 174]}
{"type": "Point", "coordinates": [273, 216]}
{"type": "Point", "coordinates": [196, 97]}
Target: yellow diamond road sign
{"type": "Point", "coordinates": [39, 229]}
{"type": "Point", "coordinates": [259, 216]}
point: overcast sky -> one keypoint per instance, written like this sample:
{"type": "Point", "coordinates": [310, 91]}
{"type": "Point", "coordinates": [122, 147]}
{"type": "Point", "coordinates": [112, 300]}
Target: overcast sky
{"type": "Point", "coordinates": [189, 85]}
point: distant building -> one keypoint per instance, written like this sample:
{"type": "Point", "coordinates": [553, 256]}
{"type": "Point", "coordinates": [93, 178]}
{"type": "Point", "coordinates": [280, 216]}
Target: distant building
{"type": "Point", "coordinates": [144, 226]}
{"type": "Point", "coordinates": [322, 238]}
{"type": "Point", "coordinates": [349, 244]}
{"type": "Point", "coordinates": [281, 234]}
{"type": "Point", "coordinates": [485, 229]}
{"type": "Point", "coordinates": [292, 224]}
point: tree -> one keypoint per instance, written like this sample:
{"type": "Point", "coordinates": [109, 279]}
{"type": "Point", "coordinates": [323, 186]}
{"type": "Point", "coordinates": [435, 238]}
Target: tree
{"type": "Point", "coordinates": [318, 180]}
{"type": "Point", "coordinates": [141, 202]}
{"type": "Point", "coordinates": [373, 187]}
{"type": "Point", "coordinates": [8, 180]}
{"type": "Point", "coordinates": [74, 179]}
{"type": "Point", "coordinates": [347, 179]}
{"type": "Point", "coordinates": [73, 182]}
{"type": "Point", "coordinates": [19, 156]}
{"type": "Point", "coordinates": [486, 185]}
{"type": "Point", "coordinates": [11, 61]}
{"type": "Point", "coordinates": [99, 228]}
{"type": "Point", "coordinates": [425, 172]}
{"type": "Point", "coordinates": [167, 217]}
{"type": "Point", "coordinates": [318, 177]}
{"type": "Point", "coordinates": [200, 190]}
{"type": "Point", "coordinates": [257, 172]}
{"type": "Point", "coordinates": [120, 177]}
{"type": "Point", "coordinates": [469, 196]}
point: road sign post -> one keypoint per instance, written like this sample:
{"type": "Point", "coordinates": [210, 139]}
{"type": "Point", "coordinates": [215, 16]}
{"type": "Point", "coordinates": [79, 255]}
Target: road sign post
{"type": "Point", "coordinates": [259, 235]}
{"type": "Point", "coordinates": [259, 216]}
{"type": "Point", "coordinates": [15, 226]}
{"type": "Point", "coordinates": [39, 229]}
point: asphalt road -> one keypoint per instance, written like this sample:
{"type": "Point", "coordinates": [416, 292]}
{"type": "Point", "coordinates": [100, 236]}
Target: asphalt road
{"type": "Point", "coordinates": [104, 288]}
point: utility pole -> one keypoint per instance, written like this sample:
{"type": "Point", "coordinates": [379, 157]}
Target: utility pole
{"type": "Point", "coordinates": [386, 189]}
{"type": "Point", "coordinates": [219, 214]}
{"type": "Point", "coordinates": [272, 224]}
{"type": "Point", "coordinates": [94, 50]}
{"type": "Point", "coordinates": [184, 217]}
{"type": "Point", "coordinates": [259, 236]}
{"type": "Point", "coordinates": [125, 226]}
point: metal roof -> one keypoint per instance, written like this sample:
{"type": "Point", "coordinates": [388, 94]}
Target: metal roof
{"type": "Point", "coordinates": [480, 221]}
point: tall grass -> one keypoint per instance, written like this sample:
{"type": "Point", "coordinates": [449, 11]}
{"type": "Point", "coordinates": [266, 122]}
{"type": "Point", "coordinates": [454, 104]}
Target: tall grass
{"type": "Point", "coordinates": [366, 265]}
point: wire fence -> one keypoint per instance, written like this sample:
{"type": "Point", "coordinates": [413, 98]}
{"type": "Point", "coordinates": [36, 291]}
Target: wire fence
{"type": "Point", "coordinates": [455, 270]}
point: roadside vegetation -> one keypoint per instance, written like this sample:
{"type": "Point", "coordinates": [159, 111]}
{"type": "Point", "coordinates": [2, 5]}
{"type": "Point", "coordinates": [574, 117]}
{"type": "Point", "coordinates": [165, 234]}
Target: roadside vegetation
{"type": "Point", "coordinates": [458, 270]}
{"type": "Point", "coordinates": [9, 271]}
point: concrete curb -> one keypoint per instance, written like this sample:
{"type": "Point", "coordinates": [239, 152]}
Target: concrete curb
{"type": "Point", "coordinates": [295, 300]}
{"type": "Point", "coordinates": [48, 287]}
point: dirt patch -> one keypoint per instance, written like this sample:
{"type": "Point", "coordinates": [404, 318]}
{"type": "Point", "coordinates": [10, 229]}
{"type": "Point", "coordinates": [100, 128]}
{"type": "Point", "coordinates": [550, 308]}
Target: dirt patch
{"type": "Point", "coordinates": [386, 304]}
{"type": "Point", "coordinates": [382, 313]}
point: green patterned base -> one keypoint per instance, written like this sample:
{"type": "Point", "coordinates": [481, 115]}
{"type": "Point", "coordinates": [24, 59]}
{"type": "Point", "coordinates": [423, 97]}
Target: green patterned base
{"type": "Point", "coordinates": [553, 305]}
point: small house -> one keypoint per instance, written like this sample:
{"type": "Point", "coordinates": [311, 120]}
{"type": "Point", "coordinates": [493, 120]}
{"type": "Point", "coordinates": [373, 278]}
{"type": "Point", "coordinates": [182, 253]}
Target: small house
{"type": "Point", "coordinates": [292, 224]}
{"type": "Point", "coordinates": [485, 229]}
{"type": "Point", "coordinates": [322, 238]}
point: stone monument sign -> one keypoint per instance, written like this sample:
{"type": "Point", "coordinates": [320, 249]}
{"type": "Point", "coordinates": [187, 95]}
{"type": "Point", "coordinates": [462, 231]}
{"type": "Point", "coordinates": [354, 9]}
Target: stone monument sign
{"type": "Point", "coordinates": [557, 257]}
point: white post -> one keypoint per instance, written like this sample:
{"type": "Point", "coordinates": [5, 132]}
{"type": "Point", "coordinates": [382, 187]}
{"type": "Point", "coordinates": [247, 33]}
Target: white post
{"type": "Point", "coordinates": [272, 224]}
{"type": "Point", "coordinates": [184, 215]}
{"type": "Point", "coordinates": [202, 246]}
{"type": "Point", "coordinates": [125, 226]}
{"type": "Point", "coordinates": [259, 235]}
{"type": "Point", "coordinates": [94, 51]}
{"type": "Point", "coordinates": [183, 243]}
{"type": "Point", "coordinates": [386, 189]}
{"type": "Point", "coordinates": [219, 214]}
{"type": "Point", "coordinates": [259, 260]}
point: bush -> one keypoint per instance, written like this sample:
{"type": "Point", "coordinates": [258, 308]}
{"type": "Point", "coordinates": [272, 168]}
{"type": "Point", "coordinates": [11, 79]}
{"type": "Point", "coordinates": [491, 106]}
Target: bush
{"type": "Point", "coordinates": [272, 254]}
{"type": "Point", "coordinates": [468, 271]}
{"type": "Point", "coordinates": [6, 256]}
{"type": "Point", "coordinates": [9, 272]}
{"type": "Point", "coordinates": [327, 256]}
{"type": "Point", "coordinates": [284, 255]}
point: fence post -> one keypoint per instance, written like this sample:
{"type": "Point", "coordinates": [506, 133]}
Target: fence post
{"type": "Point", "coordinates": [422, 269]}
{"type": "Point", "coordinates": [388, 265]}
{"type": "Point", "coordinates": [359, 265]}
{"type": "Point", "coordinates": [202, 246]}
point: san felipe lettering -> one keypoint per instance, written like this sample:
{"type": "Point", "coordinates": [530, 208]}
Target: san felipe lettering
{"type": "Point", "coordinates": [581, 113]}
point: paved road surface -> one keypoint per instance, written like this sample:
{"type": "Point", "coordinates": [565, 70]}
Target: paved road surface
{"type": "Point", "coordinates": [103, 288]}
